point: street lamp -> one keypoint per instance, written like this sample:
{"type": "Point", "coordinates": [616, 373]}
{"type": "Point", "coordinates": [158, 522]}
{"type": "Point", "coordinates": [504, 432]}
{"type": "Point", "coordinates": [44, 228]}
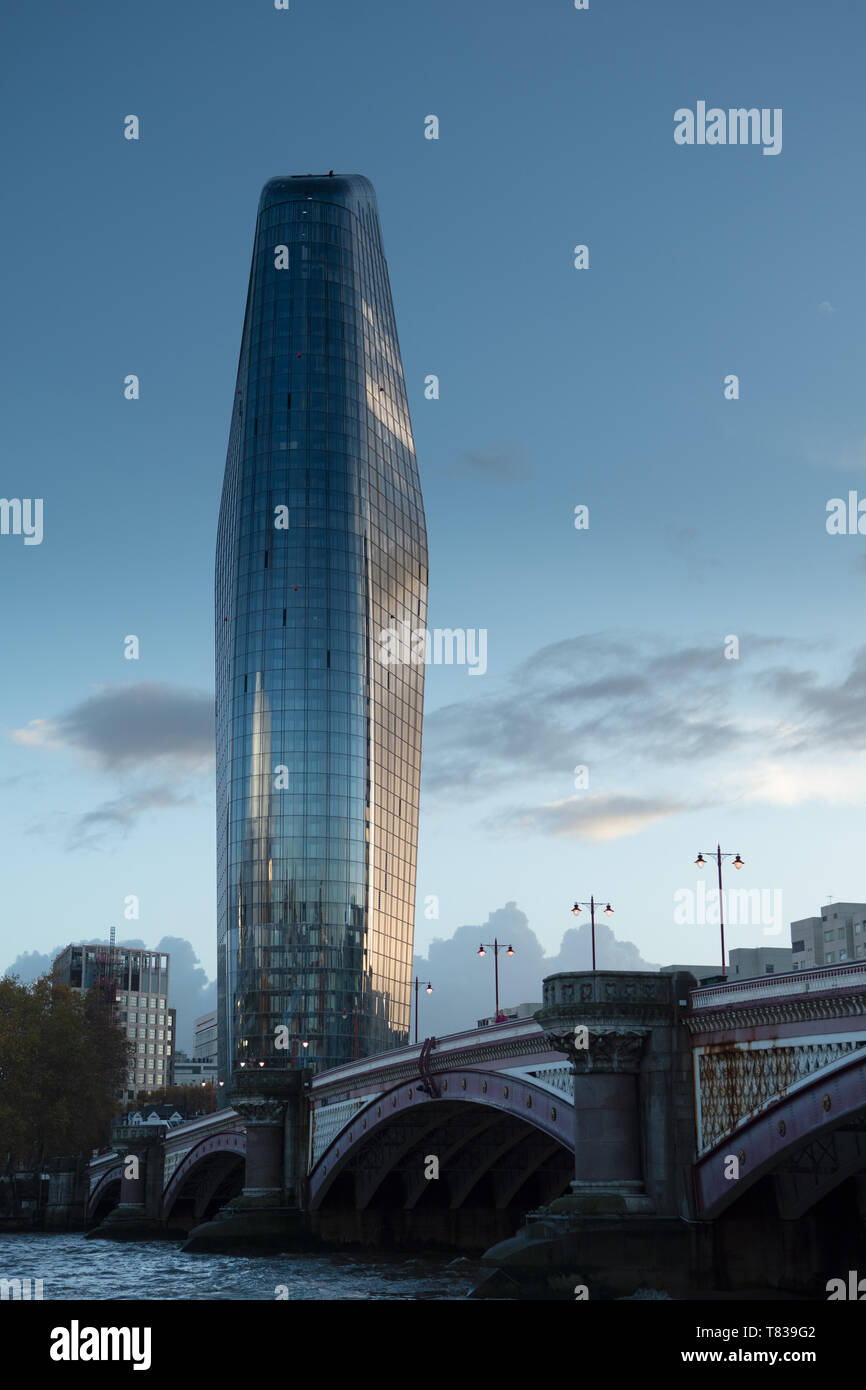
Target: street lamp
{"type": "Point", "coordinates": [495, 946]}
{"type": "Point", "coordinates": [428, 989]}
{"type": "Point", "coordinates": [738, 864]}
{"type": "Point", "coordinates": [608, 912]}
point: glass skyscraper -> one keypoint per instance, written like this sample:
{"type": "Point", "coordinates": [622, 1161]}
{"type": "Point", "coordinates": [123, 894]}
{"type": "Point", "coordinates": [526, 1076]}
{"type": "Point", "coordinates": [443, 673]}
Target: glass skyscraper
{"type": "Point", "coordinates": [322, 547]}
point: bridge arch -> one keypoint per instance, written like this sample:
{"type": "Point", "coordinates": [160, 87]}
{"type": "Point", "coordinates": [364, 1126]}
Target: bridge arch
{"type": "Point", "coordinates": [481, 1126]}
{"type": "Point", "coordinates": [832, 1102]}
{"type": "Point", "coordinates": [105, 1195]}
{"type": "Point", "coordinates": [202, 1179]}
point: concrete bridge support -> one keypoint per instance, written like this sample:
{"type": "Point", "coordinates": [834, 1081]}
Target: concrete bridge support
{"type": "Point", "coordinates": [138, 1216]}
{"type": "Point", "coordinates": [622, 1227]}
{"type": "Point", "coordinates": [270, 1213]}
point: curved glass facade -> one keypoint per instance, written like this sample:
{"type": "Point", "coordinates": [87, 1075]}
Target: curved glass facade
{"type": "Point", "coordinates": [322, 546]}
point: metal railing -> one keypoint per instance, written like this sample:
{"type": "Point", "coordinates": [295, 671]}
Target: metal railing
{"type": "Point", "coordinates": [822, 980]}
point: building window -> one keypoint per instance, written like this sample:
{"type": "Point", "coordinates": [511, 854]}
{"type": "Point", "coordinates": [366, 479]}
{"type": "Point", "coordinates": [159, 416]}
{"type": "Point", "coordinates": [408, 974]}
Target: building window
{"type": "Point", "coordinates": [843, 955]}
{"type": "Point", "coordinates": [829, 957]}
{"type": "Point", "coordinates": [768, 970]}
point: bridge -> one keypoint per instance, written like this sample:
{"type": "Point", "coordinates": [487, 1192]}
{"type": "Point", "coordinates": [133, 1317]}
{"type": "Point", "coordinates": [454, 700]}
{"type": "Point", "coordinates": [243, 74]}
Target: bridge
{"type": "Point", "coordinates": [681, 1116]}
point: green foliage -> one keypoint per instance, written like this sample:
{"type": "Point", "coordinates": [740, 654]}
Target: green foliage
{"type": "Point", "coordinates": [62, 1061]}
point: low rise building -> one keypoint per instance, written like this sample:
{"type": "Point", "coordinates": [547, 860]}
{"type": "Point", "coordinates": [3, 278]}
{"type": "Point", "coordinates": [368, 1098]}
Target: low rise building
{"type": "Point", "coordinates": [747, 962]}
{"type": "Point", "coordinates": [835, 937]}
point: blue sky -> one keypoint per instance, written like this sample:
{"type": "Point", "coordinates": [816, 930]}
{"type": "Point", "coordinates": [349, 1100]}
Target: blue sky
{"type": "Point", "coordinates": [557, 387]}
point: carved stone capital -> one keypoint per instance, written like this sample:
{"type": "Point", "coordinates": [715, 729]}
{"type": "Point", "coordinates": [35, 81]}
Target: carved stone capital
{"type": "Point", "coordinates": [608, 1049]}
{"type": "Point", "coordinates": [259, 1110]}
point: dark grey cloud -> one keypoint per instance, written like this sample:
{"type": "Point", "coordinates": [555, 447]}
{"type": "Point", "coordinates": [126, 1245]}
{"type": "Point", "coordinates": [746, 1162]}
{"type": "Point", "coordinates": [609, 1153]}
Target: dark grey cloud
{"type": "Point", "coordinates": [463, 981]}
{"type": "Point", "coordinates": [596, 698]}
{"type": "Point", "coordinates": [127, 726]}
{"type": "Point", "coordinates": [122, 814]}
{"type": "Point", "coordinates": [133, 730]}
{"type": "Point", "coordinates": [832, 712]}
{"type": "Point", "coordinates": [502, 463]}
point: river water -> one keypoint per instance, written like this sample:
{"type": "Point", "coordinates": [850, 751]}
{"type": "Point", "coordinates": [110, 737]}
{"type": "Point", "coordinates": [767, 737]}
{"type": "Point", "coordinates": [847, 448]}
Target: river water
{"type": "Point", "coordinates": [74, 1268]}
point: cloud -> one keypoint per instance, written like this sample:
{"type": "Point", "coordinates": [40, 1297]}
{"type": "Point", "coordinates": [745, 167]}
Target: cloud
{"type": "Point", "coordinates": [688, 544]}
{"type": "Point", "coordinates": [783, 783]}
{"type": "Point", "coordinates": [125, 726]}
{"type": "Point", "coordinates": [123, 813]}
{"type": "Point", "coordinates": [598, 817]}
{"type": "Point", "coordinates": [825, 307]}
{"type": "Point", "coordinates": [832, 713]}
{"type": "Point", "coordinates": [690, 726]}
{"type": "Point", "coordinates": [463, 982]}
{"type": "Point", "coordinates": [503, 463]}
{"type": "Point", "coordinates": [579, 700]}
{"type": "Point", "coordinates": [133, 730]}
{"type": "Point", "coordinates": [851, 458]}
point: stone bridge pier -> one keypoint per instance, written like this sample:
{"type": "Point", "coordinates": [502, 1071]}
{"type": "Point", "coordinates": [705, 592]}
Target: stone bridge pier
{"type": "Point", "coordinates": [138, 1215]}
{"type": "Point", "coordinates": [271, 1211]}
{"type": "Point", "coordinates": [625, 1223]}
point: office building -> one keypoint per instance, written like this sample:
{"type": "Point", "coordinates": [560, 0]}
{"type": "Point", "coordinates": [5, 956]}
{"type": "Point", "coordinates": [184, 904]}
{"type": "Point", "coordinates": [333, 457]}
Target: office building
{"type": "Point", "coordinates": [135, 983]}
{"type": "Point", "coordinates": [835, 937]}
{"type": "Point", "coordinates": [204, 1046]}
{"type": "Point", "coordinates": [747, 962]}
{"type": "Point", "coordinates": [321, 550]}
{"type": "Point", "coordinates": [193, 1071]}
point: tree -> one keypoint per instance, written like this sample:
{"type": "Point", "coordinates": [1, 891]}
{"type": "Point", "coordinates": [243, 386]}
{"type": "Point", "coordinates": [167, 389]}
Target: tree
{"type": "Point", "coordinates": [62, 1061]}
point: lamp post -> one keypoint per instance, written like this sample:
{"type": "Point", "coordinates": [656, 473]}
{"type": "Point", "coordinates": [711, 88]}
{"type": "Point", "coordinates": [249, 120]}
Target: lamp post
{"type": "Point", "coordinates": [738, 864]}
{"type": "Point", "coordinates": [495, 946]}
{"type": "Point", "coordinates": [428, 988]}
{"type": "Point", "coordinates": [608, 912]}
